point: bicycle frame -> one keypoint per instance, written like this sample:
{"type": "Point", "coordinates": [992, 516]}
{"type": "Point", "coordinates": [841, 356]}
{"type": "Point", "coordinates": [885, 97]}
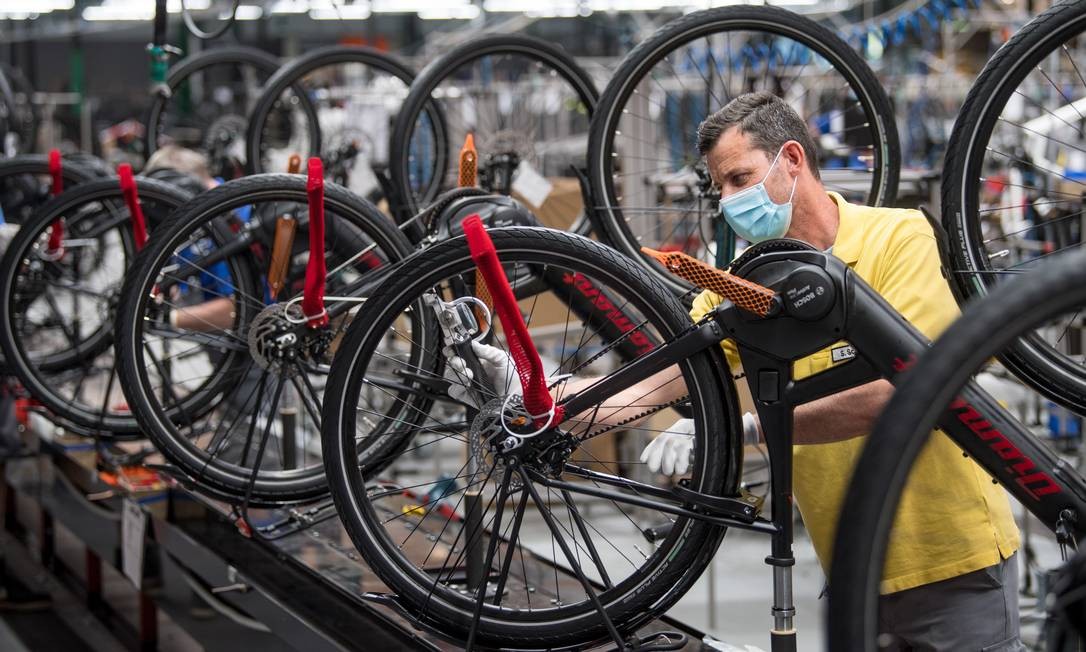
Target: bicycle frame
{"type": "Point", "coordinates": [820, 301]}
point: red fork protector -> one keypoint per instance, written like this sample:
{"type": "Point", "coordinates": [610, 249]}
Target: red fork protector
{"type": "Point", "coordinates": [56, 232]}
{"type": "Point", "coordinates": [537, 399]}
{"type": "Point", "coordinates": [316, 271]}
{"type": "Point", "coordinates": [132, 200]}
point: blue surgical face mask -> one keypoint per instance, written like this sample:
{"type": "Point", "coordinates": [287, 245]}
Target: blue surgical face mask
{"type": "Point", "coordinates": [753, 215]}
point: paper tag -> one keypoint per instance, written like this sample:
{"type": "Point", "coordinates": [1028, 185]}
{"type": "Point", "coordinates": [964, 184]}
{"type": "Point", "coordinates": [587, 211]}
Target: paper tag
{"type": "Point", "coordinates": [133, 525]}
{"type": "Point", "coordinates": [531, 185]}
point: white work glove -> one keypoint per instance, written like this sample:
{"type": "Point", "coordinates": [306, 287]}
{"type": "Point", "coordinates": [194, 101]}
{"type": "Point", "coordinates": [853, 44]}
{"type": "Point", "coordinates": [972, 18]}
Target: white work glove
{"type": "Point", "coordinates": [7, 233]}
{"type": "Point", "coordinates": [752, 430]}
{"type": "Point", "coordinates": [498, 366]}
{"type": "Point", "coordinates": [669, 453]}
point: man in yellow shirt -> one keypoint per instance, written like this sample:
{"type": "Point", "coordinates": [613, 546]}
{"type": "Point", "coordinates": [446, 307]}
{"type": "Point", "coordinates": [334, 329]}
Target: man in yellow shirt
{"type": "Point", "coordinates": [950, 581]}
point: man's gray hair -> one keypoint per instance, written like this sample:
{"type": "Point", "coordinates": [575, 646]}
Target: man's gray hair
{"type": "Point", "coordinates": [179, 158]}
{"type": "Point", "coordinates": [766, 119]}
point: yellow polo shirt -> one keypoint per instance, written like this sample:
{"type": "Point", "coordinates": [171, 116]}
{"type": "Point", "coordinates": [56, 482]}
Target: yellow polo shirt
{"type": "Point", "coordinates": [952, 519]}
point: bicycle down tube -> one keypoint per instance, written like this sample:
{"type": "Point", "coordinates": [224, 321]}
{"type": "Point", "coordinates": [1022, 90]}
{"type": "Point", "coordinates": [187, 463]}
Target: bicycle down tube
{"type": "Point", "coordinates": [819, 302]}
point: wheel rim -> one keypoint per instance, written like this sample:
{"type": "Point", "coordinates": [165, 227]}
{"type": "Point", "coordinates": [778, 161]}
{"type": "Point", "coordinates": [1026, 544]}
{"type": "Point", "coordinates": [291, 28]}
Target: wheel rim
{"type": "Point", "coordinates": [1018, 207]}
{"type": "Point", "coordinates": [514, 98]}
{"type": "Point", "coordinates": [694, 65]}
{"type": "Point", "coordinates": [338, 108]}
{"type": "Point", "coordinates": [259, 403]}
{"type": "Point", "coordinates": [389, 514]}
{"type": "Point", "coordinates": [207, 108]}
{"type": "Point", "coordinates": [59, 309]}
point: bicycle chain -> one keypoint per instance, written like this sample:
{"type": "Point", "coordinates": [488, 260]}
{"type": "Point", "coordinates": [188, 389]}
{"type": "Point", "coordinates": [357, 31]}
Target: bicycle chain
{"type": "Point", "coordinates": [608, 348]}
{"type": "Point", "coordinates": [636, 417]}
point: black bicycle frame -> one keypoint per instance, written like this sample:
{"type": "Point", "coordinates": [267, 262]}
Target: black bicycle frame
{"type": "Point", "coordinates": [596, 306]}
{"type": "Point", "coordinates": [824, 302]}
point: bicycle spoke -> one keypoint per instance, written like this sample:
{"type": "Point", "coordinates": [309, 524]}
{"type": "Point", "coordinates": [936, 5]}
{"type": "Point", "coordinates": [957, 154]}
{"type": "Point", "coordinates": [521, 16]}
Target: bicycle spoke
{"type": "Point", "coordinates": [556, 535]}
{"type": "Point", "coordinates": [488, 560]}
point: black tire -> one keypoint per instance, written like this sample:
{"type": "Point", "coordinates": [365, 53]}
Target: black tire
{"type": "Point", "coordinates": [20, 192]}
{"type": "Point", "coordinates": [265, 64]}
{"type": "Point", "coordinates": [1031, 359]}
{"type": "Point", "coordinates": [38, 370]}
{"type": "Point", "coordinates": [640, 61]}
{"type": "Point", "coordinates": [650, 589]}
{"type": "Point", "coordinates": [419, 100]}
{"type": "Point", "coordinates": [290, 74]}
{"type": "Point", "coordinates": [161, 422]}
{"type": "Point", "coordinates": [985, 328]}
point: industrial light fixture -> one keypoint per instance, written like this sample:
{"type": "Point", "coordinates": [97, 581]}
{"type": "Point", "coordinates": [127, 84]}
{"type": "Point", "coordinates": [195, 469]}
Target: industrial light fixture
{"type": "Point", "coordinates": [246, 12]}
{"type": "Point", "coordinates": [327, 10]}
{"type": "Point", "coordinates": [290, 7]}
{"type": "Point", "coordinates": [121, 10]}
{"type": "Point", "coordinates": [31, 9]}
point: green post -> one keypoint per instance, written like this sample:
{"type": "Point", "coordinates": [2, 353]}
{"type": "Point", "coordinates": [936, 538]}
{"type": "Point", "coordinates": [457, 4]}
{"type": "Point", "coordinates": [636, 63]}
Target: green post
{"type": "Point", "coordinates": [77, 71]}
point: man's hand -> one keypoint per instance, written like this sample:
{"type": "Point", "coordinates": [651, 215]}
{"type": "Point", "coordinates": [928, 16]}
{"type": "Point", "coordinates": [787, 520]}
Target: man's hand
{"type": "Point", "coordinates": [752, 430]}
{"type": "Point", "coordinates": [497, 365]}
{"type": "Point", "coordinates": [670, 452]}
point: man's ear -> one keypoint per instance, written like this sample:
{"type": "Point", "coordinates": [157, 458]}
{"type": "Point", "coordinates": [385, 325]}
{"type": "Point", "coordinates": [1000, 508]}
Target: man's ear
{"type": "Point", "coordinates": [795, 156]}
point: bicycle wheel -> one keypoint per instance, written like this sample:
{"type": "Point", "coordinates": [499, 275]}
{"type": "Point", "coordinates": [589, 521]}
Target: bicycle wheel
{"type": "Point", "coordinates": [353, 92]}
{"type": "Point", "coordinates": [525, 101]}
{"type": "Point", "coordinates": [1013, 182]}
{"type": "Point", "coordinates": [26, 184]}
{"type": "Point", "coordinates": [410, 521]}
{"type": "Point", "coordinates": [205, 107]}
{"type": "Point", "coordinates": [985, 328]}
{"type": "Point", "coordinates": [217, 369]}
{"type": "Point", "coordinates": [56, 319]}
{"type": "Point", "coordinates": [651, 187]}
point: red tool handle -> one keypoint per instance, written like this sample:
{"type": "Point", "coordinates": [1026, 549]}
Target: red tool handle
{"type": "Point", "coordinates": [132, 200]}
{"type": "Point", "coordinates": [316, 271]}
{"type": "Point", "coordinates": [537, 399]}
{"type": "Point", "coordinates": [56, 232]}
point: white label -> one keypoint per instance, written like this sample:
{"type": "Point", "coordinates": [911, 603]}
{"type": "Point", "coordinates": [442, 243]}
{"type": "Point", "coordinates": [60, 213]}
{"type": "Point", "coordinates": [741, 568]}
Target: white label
{"type": "Point", "coordinates": [531, 185]}
{"type": "Point", "coordinates": [133, 525]}
{"type": "Point", "coordinates": [842, 353]}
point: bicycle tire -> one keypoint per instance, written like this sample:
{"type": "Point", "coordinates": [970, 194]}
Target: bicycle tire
{"type": "Point", "coordinates": [1032, 360]}
{"type": "Point", "coordinates": [36, 165]}
{"type": "Point", "coordinates": [159, 423]}
{"type": "Point", "coordinates": [902, 429]}
{"type": "Point", "coordinates": [640, 61]}
{"type": "Point", "coordinates": [187, 67]}
{"type": "Point", "coordinates": [290, 74]}
{"type": "Point", "coordinates": [35, 375]}
{"type": "Point", "coordinates": [633, 602]}
{"type": "Point", "coordinates": [438, 71]}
